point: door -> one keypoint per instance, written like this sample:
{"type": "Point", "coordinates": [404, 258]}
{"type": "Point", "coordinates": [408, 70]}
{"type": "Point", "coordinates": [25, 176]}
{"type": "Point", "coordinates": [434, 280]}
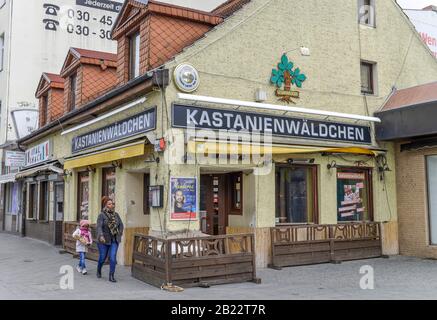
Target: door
{"type": "Point", "coordinates": [59, 212]}
{"type": "Point", "coordinates": [213, 205]}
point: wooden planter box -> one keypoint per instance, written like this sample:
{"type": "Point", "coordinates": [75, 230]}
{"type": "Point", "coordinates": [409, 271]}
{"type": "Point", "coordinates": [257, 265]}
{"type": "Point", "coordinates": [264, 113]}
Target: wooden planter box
{"type": "Point", "coordinates": [69, 244]}
{"type": "Point", "coordinates": [190, 262]}
{"type": "Point", "coordinates": [312, 244]}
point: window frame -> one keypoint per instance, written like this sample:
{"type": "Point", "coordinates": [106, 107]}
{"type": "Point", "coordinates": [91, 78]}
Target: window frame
{"type": "Point", "coordinates": [32, 214]}
{"type": "Point", "coordinates": [372, 19]}
{"type": "Point", "coordinates": [368, 178]}
{"type": "Point", "coordinates": [371, 75]}
{"type": "Point", "coordinates": [80, 193]}
{"type": "Point", "coordinates": [105, 180]}
{"type": "Point", "coordinates": [72, 92]}
{"type": "Point", "coordinates": [45, 107]}
{"type": "Point", "coordinates": [134, 41]}
{"type": "Point", "coordinates": [315, 192]}
{"type": "Point", "coordinates": [428, 204]}
{"type": "Point", "coordinates": [44, 201]}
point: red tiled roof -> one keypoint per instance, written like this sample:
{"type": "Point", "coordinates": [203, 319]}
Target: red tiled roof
{"type": "Point", "coordinates": [229, 8]}
{"type": "Point", "coordinates": [84, 53]}
{"type": "Point", "coordinates": [412, 96]}
{"type": "Point", "coordinates": [51, 77]}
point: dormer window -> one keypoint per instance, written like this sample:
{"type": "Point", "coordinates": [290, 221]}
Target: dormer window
{"type": "Point", "coordinates": [134, 55]}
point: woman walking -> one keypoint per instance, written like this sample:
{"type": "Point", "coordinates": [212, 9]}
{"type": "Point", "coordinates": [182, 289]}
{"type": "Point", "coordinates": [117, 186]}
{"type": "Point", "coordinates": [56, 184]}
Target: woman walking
{"type": "Point", "coordinates": [109, 232]}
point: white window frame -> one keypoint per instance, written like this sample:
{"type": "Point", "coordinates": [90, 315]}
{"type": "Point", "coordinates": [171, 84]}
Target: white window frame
{"type": "Point", "coordinates": [367, 10]}
{"type": "Point", "coordinates": [134, 55]}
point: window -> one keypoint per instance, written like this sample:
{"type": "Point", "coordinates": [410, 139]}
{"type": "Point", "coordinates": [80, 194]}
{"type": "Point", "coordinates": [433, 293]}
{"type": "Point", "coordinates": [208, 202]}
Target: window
{"type": "Point", "coordinates": [44, 201]}
{"type": "Point", "coordinates": [366, 12]}
{"type": "Point", "coordinates": [354, 195]}
{"type": "Point", "coordinates": [235, 193]}
{"type": "Point", "coordinates": [296, 194]}
{"type": "Point", "coordinates": [2, 3]}
{"type": "Point", "coordinates": [2, 50]}
{"type": "Point", "coordinates": [431, 162]}
{"type": "Point", "coordinates": [84, 194]}
{"type": "Point", "coordinates": [108, 183]}
{"type": "Point", "coordinates": [73, 86]}
{"type": "Point", "coordinates": [134, 56]}
{"type": "Point", "coordinates": [45, 110]}
{"type": "Point", "coordinates": [146, 185]}
{"type": "Point", "coordinates": [367, 78]}
{"type": "Point", "coordinates": [33, 200]}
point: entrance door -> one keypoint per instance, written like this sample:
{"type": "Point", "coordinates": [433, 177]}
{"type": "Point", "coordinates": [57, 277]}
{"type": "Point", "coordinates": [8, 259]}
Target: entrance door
{"type": "Point", "coordinates": [213, 203]}
{"type": "Point", "coordinates": [59, 212]}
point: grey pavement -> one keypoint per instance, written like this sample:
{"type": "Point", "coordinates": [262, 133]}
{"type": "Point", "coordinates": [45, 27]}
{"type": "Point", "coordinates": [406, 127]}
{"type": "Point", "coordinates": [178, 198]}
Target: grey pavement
{"type": "Point", "coordinates": [30, 269]}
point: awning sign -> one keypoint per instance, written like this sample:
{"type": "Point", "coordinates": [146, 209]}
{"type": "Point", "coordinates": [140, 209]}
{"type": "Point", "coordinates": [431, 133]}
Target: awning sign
{"type": "Point", "coordinates": [37, 154]}
{"type": "Point", "coordinates": [15, 159]}
{"type": "Point", "coordinates": [140, 123]}
{"type": "Point", "coordinates": [184, 116]}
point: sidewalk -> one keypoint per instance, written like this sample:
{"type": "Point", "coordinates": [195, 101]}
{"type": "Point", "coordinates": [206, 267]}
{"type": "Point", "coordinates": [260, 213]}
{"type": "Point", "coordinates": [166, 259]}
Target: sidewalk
{"type": "Point", "coordinates": [30, 269]}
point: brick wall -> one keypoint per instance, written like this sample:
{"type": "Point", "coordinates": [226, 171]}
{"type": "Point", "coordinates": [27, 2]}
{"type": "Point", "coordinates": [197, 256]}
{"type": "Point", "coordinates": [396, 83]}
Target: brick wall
{"type": "Point", "coordinates": [96, 80]}
{"type": "Point", "coordinates": [161, 38]}
{"type": "Point", "coordinates": [411, 186]}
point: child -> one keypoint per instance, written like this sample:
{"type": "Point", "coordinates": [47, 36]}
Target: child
{"type": "Point", "coordinates": [84, 239]}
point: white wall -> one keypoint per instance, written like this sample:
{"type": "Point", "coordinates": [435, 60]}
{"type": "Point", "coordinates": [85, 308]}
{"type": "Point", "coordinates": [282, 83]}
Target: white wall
{"type": "Point", "coordinates": [34, 50]}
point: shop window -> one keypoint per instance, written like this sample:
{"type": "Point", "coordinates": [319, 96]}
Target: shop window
{"type": "Point", "coordinates": [146, 185]}
{"type": "Point", "coordinates": [134, 55]}
{"type": "Point", "coordinates": [44, 201]}
{"type": "Point", "coordinates": [367, 78]}
{"type": "Point", "coordinates": [296, 194]}
{"type": "Point", "coordinates": [73, 87]}
{"type": "Point", "coordinates": [235, 193]}
{"type": "Point", "coordinates": [432, 198]}
{"type": "Point", "coordinates": [354, 195]}
{"type": "Point", "coordinates": [33, 200]}
{"type": "Point", "coordinates": [108, 183]}
{"type": "Point", "coordinates": [83, 196]}
{"type": "Point", "coordinates": [366, 12]}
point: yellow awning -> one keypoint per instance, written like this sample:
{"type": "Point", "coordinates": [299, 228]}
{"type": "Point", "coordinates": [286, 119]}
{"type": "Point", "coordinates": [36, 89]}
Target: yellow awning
{"type": "Point", "coordinates": [106, 156]}
{"type": "Point", "coordinates": [197, 147]}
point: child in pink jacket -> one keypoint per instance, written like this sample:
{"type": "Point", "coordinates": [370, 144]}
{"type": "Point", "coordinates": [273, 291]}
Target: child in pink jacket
{"type": "Point", "coordinates": [83, 241]}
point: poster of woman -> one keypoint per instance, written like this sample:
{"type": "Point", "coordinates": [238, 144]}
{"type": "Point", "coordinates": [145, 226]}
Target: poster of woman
{"type": "Point", "coordinates": [183, 198]}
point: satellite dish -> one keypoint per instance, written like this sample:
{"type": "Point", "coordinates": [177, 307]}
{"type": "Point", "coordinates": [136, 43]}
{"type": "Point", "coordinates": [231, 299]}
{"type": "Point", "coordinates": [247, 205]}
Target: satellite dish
{"type": "Point", "coordinates": [25, 121]}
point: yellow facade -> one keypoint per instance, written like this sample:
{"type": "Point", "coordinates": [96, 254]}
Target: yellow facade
{"type": "Point", "coordinates": [234, 60]}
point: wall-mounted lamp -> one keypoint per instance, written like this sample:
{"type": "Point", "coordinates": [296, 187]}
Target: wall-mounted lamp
{"type": "Point", "coordinates": [151, 158]}
{"type": "Point", "coordinates": [117, 164]}
{"type": "Point", "coordinates": [68, 173]}
{"type": "Point", "coordinates": [331, 165]}
{"type": "Point", "coordinates": [91, 169]}
{"type": "Point", "coordinates": [300, 161]}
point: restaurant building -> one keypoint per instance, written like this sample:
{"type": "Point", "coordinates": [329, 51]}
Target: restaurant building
{"type": "Point", "coordinates": [407, 120]}
{"type": "Point", "coordinates": [298, 84]}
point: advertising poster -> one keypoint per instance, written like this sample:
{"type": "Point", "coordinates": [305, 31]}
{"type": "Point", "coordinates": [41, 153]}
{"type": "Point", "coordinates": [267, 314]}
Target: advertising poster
{"type": "Point", "coordinates": [350, 194]}
{"type": "Point", "coordinates": [183, 198]}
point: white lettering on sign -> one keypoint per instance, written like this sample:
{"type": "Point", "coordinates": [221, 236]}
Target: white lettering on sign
{"type": "Point", "coordinates": [37, 154]}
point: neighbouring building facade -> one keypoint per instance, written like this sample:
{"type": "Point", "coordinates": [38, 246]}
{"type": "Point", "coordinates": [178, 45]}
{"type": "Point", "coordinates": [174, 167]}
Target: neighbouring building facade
{"type": "Point", "coordinates": [407, 120]}
{"type": "Point", "coordinates": [307, 88]}
{"type": "Point", "coordinates": [45, 30]}
{"type": "Point", "coordinates": [425, 22]}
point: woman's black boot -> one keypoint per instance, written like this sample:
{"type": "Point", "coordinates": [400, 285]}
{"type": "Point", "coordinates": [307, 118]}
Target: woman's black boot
{"type": "Point", "coordinates": [99, 271]}
{"type": "Point", "coordinates": [111, 277]}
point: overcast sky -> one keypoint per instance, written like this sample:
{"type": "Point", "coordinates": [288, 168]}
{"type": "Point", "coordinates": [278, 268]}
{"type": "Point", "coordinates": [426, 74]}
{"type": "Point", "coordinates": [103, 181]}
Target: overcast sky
{"type": "Point", "coordinates": [416, 4]}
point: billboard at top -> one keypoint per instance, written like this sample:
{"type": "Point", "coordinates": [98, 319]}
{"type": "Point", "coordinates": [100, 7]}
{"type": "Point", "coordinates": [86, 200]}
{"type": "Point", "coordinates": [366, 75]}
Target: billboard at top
{"type": "Point", "coordinates": [425, 22]}
{"type": "Point", "coordinates": [85, 18]}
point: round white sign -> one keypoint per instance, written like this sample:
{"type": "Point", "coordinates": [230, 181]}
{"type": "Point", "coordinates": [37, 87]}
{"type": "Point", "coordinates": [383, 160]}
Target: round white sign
{"type": "Point", "coordinates": [186, 78]}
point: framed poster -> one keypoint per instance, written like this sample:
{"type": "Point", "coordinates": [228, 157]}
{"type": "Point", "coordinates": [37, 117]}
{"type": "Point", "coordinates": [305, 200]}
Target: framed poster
{"type": "Point", "coordinates": [183, 198]}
